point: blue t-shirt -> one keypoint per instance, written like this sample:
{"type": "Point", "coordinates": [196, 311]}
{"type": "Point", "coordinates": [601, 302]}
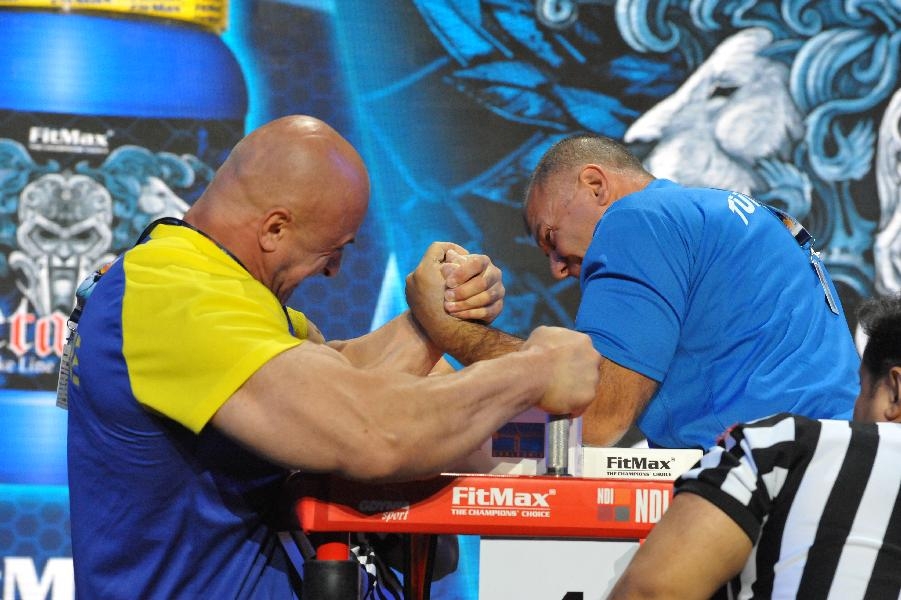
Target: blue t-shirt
{"type": "Point", "coordinates": [163, 505]}
{"type": "Point", "coordinates": [708, 293]}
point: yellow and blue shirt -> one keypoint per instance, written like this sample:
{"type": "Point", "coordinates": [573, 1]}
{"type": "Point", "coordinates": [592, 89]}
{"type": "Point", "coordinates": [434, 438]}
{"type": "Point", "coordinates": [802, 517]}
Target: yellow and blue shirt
{"type": "Point", "coordinates": [163, 506]}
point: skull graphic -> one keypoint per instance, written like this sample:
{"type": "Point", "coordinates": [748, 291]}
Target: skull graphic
{"type": "Point", "coordinates": [64, 233]}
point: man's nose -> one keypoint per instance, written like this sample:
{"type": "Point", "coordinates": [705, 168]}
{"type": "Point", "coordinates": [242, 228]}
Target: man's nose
{"type": "Point", "coordinates": [559, 267]}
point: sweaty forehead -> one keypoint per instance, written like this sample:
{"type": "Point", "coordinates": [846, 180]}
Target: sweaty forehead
{"type": "Point", "coordinates": [536, 198]}
{"type": "Point", "coordinates": [540, 202]}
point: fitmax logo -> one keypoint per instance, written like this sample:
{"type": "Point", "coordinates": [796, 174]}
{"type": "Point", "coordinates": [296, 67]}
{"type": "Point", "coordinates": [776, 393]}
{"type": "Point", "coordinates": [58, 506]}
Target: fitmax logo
{"type": "Point", "coordinates": [472, 496]}
{"type": "Point", "coordinates": [52, 136]}
{"type": "Point", "coordinates": [639, 462]}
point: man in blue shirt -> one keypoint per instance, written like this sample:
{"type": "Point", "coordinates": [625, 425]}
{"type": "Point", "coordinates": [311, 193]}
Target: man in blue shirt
{"type": "Point", "coordinates": [707, 308]}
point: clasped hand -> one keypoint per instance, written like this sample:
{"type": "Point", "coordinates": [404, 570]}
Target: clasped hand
{"type": "Point", "coordinates": [451, 282]}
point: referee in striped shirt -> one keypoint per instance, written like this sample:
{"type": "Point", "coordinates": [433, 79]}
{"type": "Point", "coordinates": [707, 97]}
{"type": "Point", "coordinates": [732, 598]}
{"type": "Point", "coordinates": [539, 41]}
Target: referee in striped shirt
{"type": "Point", "coordinates": [789, 507]}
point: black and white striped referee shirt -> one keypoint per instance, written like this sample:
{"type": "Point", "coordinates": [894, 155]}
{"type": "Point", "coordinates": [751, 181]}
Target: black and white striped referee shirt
{"type": "Point", "coordinates": [820, 499]}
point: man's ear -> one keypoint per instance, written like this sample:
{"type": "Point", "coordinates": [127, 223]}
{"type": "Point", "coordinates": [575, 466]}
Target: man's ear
{"type": "Point", "coordinates": [893, 380]}
{"type": "Point", "coordinates": [273, 228]}
{"type": "Point", "coordinates": [595, 177]}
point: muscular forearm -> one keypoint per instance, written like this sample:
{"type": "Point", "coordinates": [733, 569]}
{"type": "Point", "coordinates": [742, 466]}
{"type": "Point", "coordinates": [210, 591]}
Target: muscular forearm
{"type": "Point", "coordinates": [373, 425]}
{"type": "Point", "coordinates": [398, 346]}
{"type": "Point", "coordinates": [435, 422]}
{"type": "Point", "coordinates": [467, 341]}
{"type": "Point", "coordinates": [622, 395]}
{"type": "Point", "coordinates": [470, 342]}
{"type": "Point", "coordinates": [438, 420]}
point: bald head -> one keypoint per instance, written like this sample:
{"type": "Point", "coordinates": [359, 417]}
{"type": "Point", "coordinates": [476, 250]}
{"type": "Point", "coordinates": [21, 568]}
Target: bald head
{"type": "Point", "coordinates": [293, 181]}
{"type": "Point", "coordinates": [297, 162]}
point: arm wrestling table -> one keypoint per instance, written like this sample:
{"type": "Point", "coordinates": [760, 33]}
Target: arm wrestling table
{"type": "Point", "coordinates": [581, 530]}
{"type": "Point", "coordinates": [513, 507]}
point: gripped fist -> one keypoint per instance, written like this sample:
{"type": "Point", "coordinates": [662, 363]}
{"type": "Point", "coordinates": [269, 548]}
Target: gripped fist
{"type": "Point", "coordinates": [474, 286]}
{"type": "Point", "coordinates": [450, 282]}
{"type": "Point", "coordinates": [574, 369]}
{"type": "Point", "coordinates": [425, 286]}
